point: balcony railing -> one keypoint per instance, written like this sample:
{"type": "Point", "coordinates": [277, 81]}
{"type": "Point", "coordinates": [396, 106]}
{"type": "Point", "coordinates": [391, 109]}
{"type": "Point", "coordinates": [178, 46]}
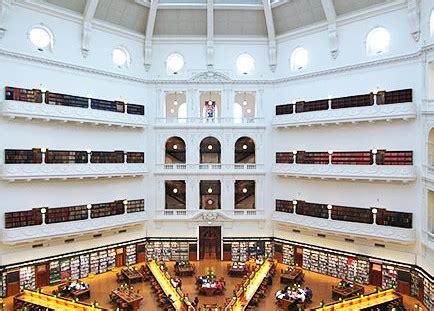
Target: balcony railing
{"type": "Point", "coordinates": [399, 235]}
{"type": "Point", "coordinates": [210, 215]}
{"type": "Point", "coordinates": [252, 168]}
{"type": "Point", "coordinates": [210, 122]}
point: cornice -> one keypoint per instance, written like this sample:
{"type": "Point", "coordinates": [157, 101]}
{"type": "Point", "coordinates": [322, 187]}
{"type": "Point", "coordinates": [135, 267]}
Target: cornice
{"type": "Point", "coordinates": [337, 70]}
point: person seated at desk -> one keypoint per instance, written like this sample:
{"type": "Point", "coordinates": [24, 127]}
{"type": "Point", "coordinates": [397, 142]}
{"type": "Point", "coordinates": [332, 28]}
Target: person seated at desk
{"type": "Point", "coordinates": [282, 294]}
{"type": "Point", "coordinates": [195, 302]}
{"type": "Point", "coordinates": [300, 296]}
{"type": "Point", "coordinates": [309, 294]}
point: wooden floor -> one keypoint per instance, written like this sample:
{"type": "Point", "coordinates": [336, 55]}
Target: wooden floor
{"type": "Point", "coordinates": [321, 285]}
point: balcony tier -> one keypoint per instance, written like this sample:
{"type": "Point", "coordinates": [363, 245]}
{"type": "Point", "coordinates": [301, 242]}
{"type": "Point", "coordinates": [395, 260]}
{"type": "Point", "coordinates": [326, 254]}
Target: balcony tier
{"type": "Point", "coordinates": [403, 173]}
{"type": "Point", "coordinates": [402, 111]}
{"type": "Point", "coordinates": [213, 123]}
{"type": "Point", "coordinates": [375, 232]}
{"type": "Point", "coordinates": [209, 215]}
{"type": "Point", "coordinates": [212, 168]}
{"type": "Point", "coordinates": [14, 172]}
{"type": "Point", "coordinates": [16, 109]}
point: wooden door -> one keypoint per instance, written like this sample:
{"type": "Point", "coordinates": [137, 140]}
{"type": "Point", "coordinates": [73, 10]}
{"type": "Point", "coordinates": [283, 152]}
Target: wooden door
{"type": "Point", "coordinates": [278, 252]}
{"type": "Point", "coordinates": [209, 242]}
{"type": "Point", "coordinates": [42, 275]}
{"type": "Point", "coordinates": [403, 287]}
{"type": "Point", "coordinates": [376, 276]}
{"type": "Point", "coordinates": [298, 256]}
{"type": "Point", "coordinates": [227, 251]}
{"type": "Point", "coordinates": [192, 252]}
{"type": "Point", "coordinates": [141, 252]}
{"type": "Point", "coordinates": [120, 258]}
{"type": "Point", "coordinates": [12, 283]}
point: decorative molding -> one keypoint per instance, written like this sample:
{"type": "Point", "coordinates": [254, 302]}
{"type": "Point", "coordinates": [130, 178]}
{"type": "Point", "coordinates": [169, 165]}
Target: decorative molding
{"type": "Point", "coordinates": [16, 109]}
{"type": "Point", "coordinates": [12, 172]}
{"type": "Point", "coordinates": [200, 123]}
{"type": "Point", "coordinates": [402, 173]}
{"type": "Point", "coordinates": [413, 13]}
{"type": "Point", "coordinates": [209, 215]}
{"type": "Point", "coordinates": [4, 10]}
{"type": "Point", "coordinates": [403, 111]}
{"type": "Point", "coordinates": [71, 228]}
{"type": "Point", "coordinates": [376, 232]}
{"type": "Point", "coordinates": [210, 77]}
{"type": "Point", "coordinates": [210, 169]}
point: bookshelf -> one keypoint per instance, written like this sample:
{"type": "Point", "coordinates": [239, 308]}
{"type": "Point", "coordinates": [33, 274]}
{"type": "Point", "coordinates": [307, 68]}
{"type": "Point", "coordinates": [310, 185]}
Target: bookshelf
{"type": "Point", "coordinates": [135, 206]}
{"type": "Point", "coordinates": [362, 100]}
{"type": "Point", "coordinates": [65, 214]}
{"type": "Point", "coordinates": [135, 157]}
{"type": "Point", "coordinates": [389, 276]}
{"type": "Point", "coordinates": [167, 250]}
{"type": "Point", "coordinates": [284, 206]}
{"type": "Point", "coordinates": [27, 277]}
{"type": "Point", "coordinates": [135, 109]}
{"type": "Point", "coordinates": [107, 209]}
{"type": "Point", "coordinates": [394, 157]}
{"type": "Point", "coordinates": [16, 156]}
{"type": "Point", "coordinates": [94, 263]}
{"type": "Point", "coordinates": [57, 156]}
{"type": "Point", "coordinates": [111, 259]}
{"type": "Point", "coordinates": [284, 157]}
{"type": "Point", "coordinates": [75, 267]}
{"type": "Point", "coordinates": [107, 157]}
{"type": "Point", "coordinates": [24, 95]}
{"type": "Point", "coordinates": [65, 269]}
{"type": "Point", "coordinates": [394, 219]}
{"type": "Point", "coordinates": [288, 254]}
{"type": "Point", "coordinates": [130, 255]}
{"type": "Point", "coordinates": [54, 269]}
{"type": "Point", "coordinates": [312, 209]}
{"type": "Point", "coordinates": [352, 214]}
{"type": "Point", "coordinates": [304, 157]}
{"type": "Point", "coordinates": [23, 218]}
{"type": "Point", "coordinates": [65, 100]}
{"type": "Point", "coordinates": [428, 294]}
{"type": "Point", "coordinates": [84, 265]}
{"type": "Point", "coordinates": [103, 261]}
{"type": "Point", "coordinates": [114, 106]}
{"type": "Point", "coordinates": [352, 158]}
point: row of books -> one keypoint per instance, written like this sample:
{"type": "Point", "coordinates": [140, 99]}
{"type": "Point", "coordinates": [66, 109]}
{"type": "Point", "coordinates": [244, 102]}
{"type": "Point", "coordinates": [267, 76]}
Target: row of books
{"type": "Point", "coordinates": [380, 98]}
{"type": "Point", "coordinates": [167, 250]}
{"type": "Point", "coordinates": [50, 98]}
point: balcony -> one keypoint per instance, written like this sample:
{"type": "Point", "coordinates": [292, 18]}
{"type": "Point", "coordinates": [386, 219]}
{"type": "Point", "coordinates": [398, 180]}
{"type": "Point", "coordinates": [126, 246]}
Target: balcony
{"type": "Point", "coordinates": [209, 215]}
{"type": "Point", "coordinates": [67, 229]}
{"type": "Point", "coordinates": [398, 173]}
{"type": "Point", "coordinates": [26, 110]}
{"type": "Point", "coordinates": [210, 123]}
{"type": "Point", "coordinates": [371, 231]}
{"type": "Point", "coordinates": [12, 172]}
{"type": "Point", "coordinates": [210, 168]}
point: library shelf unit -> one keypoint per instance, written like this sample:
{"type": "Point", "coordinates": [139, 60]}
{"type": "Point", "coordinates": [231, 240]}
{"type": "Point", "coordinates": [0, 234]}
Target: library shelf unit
{"type": "Point", "coordinates": [48, 106]}
{"type": "Point", "coordinates": [384, 106]}
{"type": "Point", "coordinates": [345, 228]}
{"type": "Point", "coordinates": [48, 164]}
{"type": "Point", "coordinates": [373, 165]}
{"type": "Point", "coordinates": [243, 249]}
{"type": "Point", "coordinates": [56, 222]}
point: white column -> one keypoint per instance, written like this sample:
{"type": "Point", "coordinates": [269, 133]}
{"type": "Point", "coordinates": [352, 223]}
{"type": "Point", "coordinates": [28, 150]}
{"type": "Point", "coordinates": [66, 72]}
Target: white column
{"type": "Point", "coordinates": [227, 196]}
{"type": "Point", "coordinates": [227, 98]}
{"type": "Point", "coordinates": [192, 193]}
{"type": "Point", "coordinates": [160, 195]}
{"type": "Point", "coordinates": [193, 103]}
{"type": "Point", "coordinates": [259, 113]}
{"type": "Point", "coordinates": [192, 146]}
{"type": "Point", "coordinates": [160, 108]}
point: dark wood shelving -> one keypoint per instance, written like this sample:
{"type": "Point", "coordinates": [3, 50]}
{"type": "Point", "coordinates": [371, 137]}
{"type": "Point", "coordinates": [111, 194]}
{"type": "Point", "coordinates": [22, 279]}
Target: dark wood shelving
{"type": "Point", "coordinates": [352, 214]}
{"type": "Point", "coordinates": [57, 156]}
{"type": "Point", "coordinates": [23, 95]}
{"type": "Point", "coordinates": [15, 156]}
{"type": "Point", "coordinates": [304, 157]}
{"type": "Point", "coordinates": [107, 209]}
{"type": "Point", "coordinates": [284, 157]}
{"type": "Point", "coordinates": [135, 206]}
{"type": "Point", "coordinates": [107, 157]}
{"type": "Point", "coordinates": [135, 157]}
{"type": "Point", "coordinates": [66, 214]}
{"type": "Point", "coordinates": [66, 100]}
{"type": "Point", "coordinates": [314, 105]}
{"type": "Point", "coordinates": [352, 158]}
{"type": "Point", "coordinates": [284, 109]}
{"type": "Point", "coordinates": [353, 101]}
{"type": "Point", "coordinates": [23, 218]}
{"type": "Point", "coordinates": [312, 209]}
{"type": "Point", "coordinates": [394, 157]}
{"type": "Point", "coordinates": [284, 206]}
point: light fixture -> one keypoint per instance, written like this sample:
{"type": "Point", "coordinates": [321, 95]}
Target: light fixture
{"type": "Point", "coordinates": [245, 63]}
{"type": "Point", "coordinates": [330, 152]}
{"type": "Point", "coordinates": [374, 211]}
{"type": "Point", "coordinates": [377, 41]}
{"type": "Point", "coordinates": [88, 151]}
{"type": "Point", "coordinates": [40, 37]}
{"type": "Point", "coordinates": [172, 110]}
{"type": "Point", "coordinates": [175, 147]}
{"type": "Point", "coordinates": [43, 150]}
{"type": "Point", "coordinates": [299, 59]}
{"type": "Point", "coordinates": [175, 63]}
{"type": "Point", "coordinates": [175, 190]}
{"type": "Point", "coordinates": [175, 102]}
{"type": "Point", "coordinates": [210, 202]}
{"type": "Point", "coordinates": [245, 147]}
{"type": "Point", "coordinates": [294, 202]}
{"type": "Point", "coordinates": [43, 210]}
{"type": "Point", "coordinates": [249, 110]}
{"type": "Point", "coordinates": [210, 103]}
{"type": "Point", "coordinates": [244, 102]}
{"type": "Point", "coordinates": [374, 151]}
{"type": "Point", "coordinates": [89, 206]}
{"type": "Point", "coordinates": [125, 202]}
{"type": "Point", "coordinates": [209, 147]}
{"type": "Point", "coordinates": [294, 152]}
{"type": "Point", "coordinates": [329, 207]}
{"type": "Point", "coordinates": [209, 222]}
{"type": "Point", "coordinates": [209, 190]}
{"type": "Point", "coordinates": [244, 190]}
{"type": "Point", "coordinates": [43, 89]}
{"type": "Point", "coordinates": [120, 57]}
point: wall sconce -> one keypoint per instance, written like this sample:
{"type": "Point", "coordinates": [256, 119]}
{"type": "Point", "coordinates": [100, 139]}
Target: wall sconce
{"type": "Point", "coordinates": [175, 190]}
{"type": "Point", "coordinates": [209, 190]}
{"type": "Point", "coordinates": [244, 190]}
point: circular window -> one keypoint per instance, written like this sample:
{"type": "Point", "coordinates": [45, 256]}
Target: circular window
{"type": "Point", "coordinates": [377, 41]}
{"type": "Point", "coordinates": [175, 63]}
{"type": "Point", "coordinates": [299, 59]}
{"type": "Point", "coordinates": [245, 64]}
{"type": "Point", "coordinates": [41, 37]}
{"type": "Point", "coordinates": [120, 57]}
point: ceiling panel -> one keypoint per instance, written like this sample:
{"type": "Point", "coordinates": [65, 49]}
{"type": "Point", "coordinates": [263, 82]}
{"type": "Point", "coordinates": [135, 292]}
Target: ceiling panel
{"type": "Point", "coordinates": [75, 5]}
{"type": "Point", "coordinates": [125, 13]}
{"type": "Point", "coordinates": [239, 22]}
{"type": "Point", "coordinates": [348, 6]}
{"type": "Point", "coordinates": [297, 13]}
{"type": "Point", "coordinates": [180, 22]}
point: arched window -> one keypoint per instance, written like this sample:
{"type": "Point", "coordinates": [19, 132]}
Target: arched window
{"type": "Point", "coordinates": [121, 57]}
{"type": "Point", "coordinates": [238, 113]}
{"type": "Point", "coordinates": [377, 41]}
{"type": "Point", "coordinates": [245, 150]}
{"type": "Point", "coordinates": [210, 150]}
{"type": "Point", "coordinates": [245, 64]}
{"type": "Point", "coordinates": [41, 37]}
{"type": "Point", "coordinates": [175, 151]}
{"type": "Point", "coordinates": [299, 59]}
{"type": "Point", "coordinates": [174, 63]}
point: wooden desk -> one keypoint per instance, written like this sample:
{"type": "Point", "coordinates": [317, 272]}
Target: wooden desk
{"type": "Point", "coordinates": [50, 302]}
{"type": "Point", "coordinates": [237, 270]}
{"type": "Point", "coordinates": [209, 307]}
{"type": "Point", "coordinates": [347, 292]}
{"type": "Point", "coordinates": [242, 302]}
{"type": "Point", "coordinates": [292, 276]}
{"type": "Point", "coordinates": [132, 299]}
{"type": "Point", "coordinates": [132, 276]}
{"type": "Point", "coordinates": [288, 304]}
{"type": "Point", "coordinates": [168, 289]}
{"type": "Point", "coordinates": [364, 303]}
{"type": "Point", "coordinates": [80, 294]}
{"type": "Point", "coordinates": [184, 271]}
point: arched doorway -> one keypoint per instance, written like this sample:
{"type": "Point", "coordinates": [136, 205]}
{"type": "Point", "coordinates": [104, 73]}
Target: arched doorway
{"type": "Point", "coordinates": [210, 150]}
{"type": "Point", "coordinates": [245, 150]}
{"type": "Point", "coordinates": [175, 151]}
{"type": "Point", "coordinates": [210, 242]}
